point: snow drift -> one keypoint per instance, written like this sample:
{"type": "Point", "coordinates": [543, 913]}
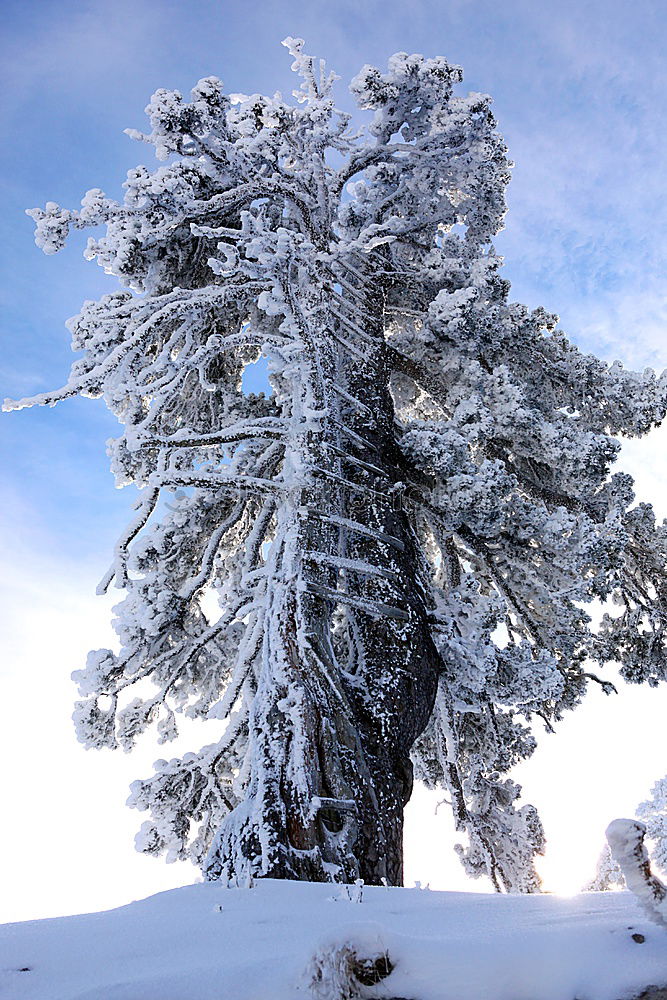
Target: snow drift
{"type": "Point", "coordinates": [285, 940]}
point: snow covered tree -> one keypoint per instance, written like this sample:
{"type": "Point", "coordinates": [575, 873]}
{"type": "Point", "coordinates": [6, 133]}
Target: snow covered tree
{"type": "Point", "coordinates": [608, 875]}
{"type": "Point", "coordinates": [402, 535]}
{"type": "Point", "coordinates": [653, 813]}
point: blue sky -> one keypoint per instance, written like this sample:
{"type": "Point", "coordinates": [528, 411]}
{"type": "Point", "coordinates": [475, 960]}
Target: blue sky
{"type": "Point", "coordinates": [579, 92]}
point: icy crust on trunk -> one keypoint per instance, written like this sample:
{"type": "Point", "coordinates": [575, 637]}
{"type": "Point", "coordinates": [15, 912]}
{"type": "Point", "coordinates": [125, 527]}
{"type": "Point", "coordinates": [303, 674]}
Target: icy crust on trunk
{"type": "Point", "coordinates": [402, 536]}
{"type": "Point", "coordinates": [206, 941]}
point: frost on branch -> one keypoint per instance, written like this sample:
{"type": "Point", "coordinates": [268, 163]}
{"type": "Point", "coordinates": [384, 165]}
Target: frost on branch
{"type": "Point", "coordinates": [400, 539]}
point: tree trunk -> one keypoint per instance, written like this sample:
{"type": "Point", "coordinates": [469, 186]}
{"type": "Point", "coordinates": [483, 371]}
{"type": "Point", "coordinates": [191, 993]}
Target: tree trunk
{"type": "Point", "coordinates": [330, 734]}
{"type": "Point", "coordinates": [398, 664]}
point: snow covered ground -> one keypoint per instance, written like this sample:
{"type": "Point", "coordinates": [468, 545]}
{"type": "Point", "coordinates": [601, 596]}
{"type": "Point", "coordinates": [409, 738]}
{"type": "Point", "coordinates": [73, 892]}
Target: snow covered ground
{"type": "Point", "coordinates": [206, 942]}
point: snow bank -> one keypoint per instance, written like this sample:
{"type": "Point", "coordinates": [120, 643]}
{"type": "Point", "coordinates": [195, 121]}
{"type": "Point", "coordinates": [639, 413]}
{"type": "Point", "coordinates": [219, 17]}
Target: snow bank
{"type": "Point", "coordinates": [206, 942]}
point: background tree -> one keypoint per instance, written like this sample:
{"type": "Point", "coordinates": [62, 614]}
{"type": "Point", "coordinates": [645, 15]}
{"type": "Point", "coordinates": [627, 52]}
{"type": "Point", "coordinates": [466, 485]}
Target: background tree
{"type": "Point", "coordinates": [653, 814]}
{"type": "Point", "coordinates": [608, 875]}
{"type": "Point", "coordinates": [402, 535]}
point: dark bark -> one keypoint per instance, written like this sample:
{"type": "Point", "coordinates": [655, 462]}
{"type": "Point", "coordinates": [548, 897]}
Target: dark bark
{"type": "Point", "coordinates": [353, 634]}
{"type": "Point", "coordinates": [392, 691]}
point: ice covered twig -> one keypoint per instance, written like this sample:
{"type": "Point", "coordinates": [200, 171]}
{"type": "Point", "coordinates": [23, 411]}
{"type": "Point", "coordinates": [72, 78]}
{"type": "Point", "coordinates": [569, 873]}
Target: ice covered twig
{"type": "Point", "coordinates": [626, 842]}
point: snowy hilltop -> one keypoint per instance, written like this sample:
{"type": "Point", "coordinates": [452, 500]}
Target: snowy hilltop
{"type": "Point", "coordinates": [281, 940]}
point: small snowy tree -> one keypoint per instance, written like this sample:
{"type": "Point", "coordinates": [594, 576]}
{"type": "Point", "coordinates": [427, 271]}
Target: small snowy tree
{"type": "Point", "coordinates": [608, 874]}
{"type": "Point", "coordinates": [402, 535]}
{"type": "Point", "coordinates": [653, 813]}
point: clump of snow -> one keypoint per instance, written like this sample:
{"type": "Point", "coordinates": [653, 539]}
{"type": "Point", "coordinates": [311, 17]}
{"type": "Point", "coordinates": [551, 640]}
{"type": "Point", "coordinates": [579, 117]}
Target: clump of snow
{"type": "Point", "coordinates": [280, 940]}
